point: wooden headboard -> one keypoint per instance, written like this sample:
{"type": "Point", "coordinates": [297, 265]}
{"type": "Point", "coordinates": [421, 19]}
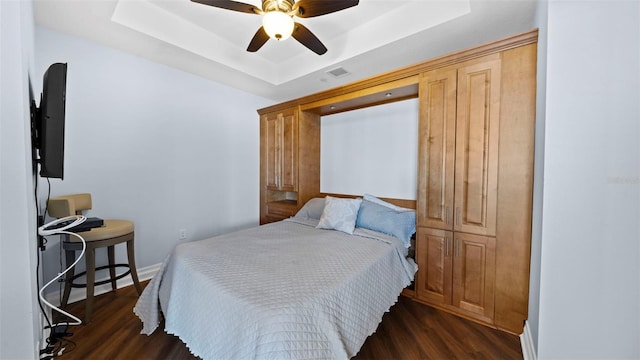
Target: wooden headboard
{"type": "Point", "coordinates": [411, 204]}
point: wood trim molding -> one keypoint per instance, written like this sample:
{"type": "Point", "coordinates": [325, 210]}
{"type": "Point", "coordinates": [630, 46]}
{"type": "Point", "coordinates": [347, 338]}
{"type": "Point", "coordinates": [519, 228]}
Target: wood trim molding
{"type": "Point", "coordinates": [397, 90]}
{"type": "Point", "coordinates": [410, 204]}
{"type": "Point", "coordinates": [511, 42]}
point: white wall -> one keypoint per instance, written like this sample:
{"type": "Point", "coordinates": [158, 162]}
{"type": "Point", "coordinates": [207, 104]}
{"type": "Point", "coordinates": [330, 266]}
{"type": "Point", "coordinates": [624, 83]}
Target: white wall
{"type": "Point", "coordinates": [538, 180]}
{"type": "Point", "coordinates": [372, 150]}
{"type": "Point", "coordinates": [590, 253]}
{"type": "Point", "coordinates": [19, 327]}
{"type": "Point", "coordinates": [155, 145]}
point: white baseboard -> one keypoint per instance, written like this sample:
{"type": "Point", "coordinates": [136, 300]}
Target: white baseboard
{"type": "Point", "coordinates": [526, 341]}
{"type": "Point", "coordinates": [78, 294]}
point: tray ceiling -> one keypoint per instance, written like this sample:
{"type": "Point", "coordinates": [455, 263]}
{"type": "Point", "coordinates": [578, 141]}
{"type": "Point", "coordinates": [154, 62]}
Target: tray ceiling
{"type": "Point", "coordinates": [374, 37]}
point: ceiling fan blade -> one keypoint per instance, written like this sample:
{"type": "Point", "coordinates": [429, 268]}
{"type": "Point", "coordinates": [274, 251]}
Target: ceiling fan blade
{"type": "Point", "coordinates": [311, 8]}
{"type": "Point", "coordinates": [259, 39]}
{"type": "Point", "coordinates": [306, 38]}
{"type": "Point", "coordinates": [231, 5]}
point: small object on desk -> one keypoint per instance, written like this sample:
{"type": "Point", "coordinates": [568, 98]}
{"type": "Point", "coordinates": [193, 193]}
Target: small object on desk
{"type": "Point", "coordinates": [90, 223]}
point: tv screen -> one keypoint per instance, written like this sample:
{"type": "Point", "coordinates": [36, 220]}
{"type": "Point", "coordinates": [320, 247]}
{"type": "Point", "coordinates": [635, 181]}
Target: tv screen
{"type": "Point", "coordinates": [50, 122]}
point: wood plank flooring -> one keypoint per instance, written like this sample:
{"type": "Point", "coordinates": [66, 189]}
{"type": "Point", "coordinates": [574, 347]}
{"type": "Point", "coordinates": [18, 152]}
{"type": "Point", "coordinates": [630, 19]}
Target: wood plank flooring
{"type": "Point", "coordinates": [409, 331]}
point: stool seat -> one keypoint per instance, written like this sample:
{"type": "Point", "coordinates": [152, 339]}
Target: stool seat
{"type": "Point", "coordinates": [110, 229]}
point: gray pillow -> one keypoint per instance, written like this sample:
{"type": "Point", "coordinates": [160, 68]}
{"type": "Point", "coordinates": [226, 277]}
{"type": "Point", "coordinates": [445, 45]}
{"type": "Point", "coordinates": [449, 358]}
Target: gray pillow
{"type": "Point", "coordinates": [312, 209]}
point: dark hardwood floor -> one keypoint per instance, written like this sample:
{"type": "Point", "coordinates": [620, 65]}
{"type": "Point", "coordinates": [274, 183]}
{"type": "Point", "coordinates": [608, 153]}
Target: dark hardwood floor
{"type": "Point", "coordinates": [409, 331]}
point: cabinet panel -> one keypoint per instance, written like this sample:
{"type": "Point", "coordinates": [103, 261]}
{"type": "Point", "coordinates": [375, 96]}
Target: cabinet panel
{"type": "Point", "coordinates": [281, 146]}
{"type": "Point", "coordinates": [278, 210]}
{"type": "Point", "coordinates": [289, 162]}
{"type": "Point", "coordinates": [437, 150]}
{"type": "Point", "coordinates": [433, 252]}
{"type": "Point", "coordinates": [477, 131]}
{"type": "Point", "coordinates": [515, 176]}
{"type": "Point", "coordinates": [289, 131]}
{"type": "Point", "coordinates": [271, 140]}
{"type": "Point", "coordinates": [474, 274]}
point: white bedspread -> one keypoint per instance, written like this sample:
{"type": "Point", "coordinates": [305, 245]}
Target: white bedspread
{"type": "Point", "coordinates": [280, 291]}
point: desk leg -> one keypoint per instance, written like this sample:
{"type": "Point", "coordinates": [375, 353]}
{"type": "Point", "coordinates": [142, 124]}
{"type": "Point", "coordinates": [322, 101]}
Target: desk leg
{"type": "Point", "coordinates": [131, 256]}
{"type": "Point", "coordinates": [112, 269]}
{"type": "Point", "coordinates": [70, 259]}
{"type": "Point", "coordinates": [91, 278]}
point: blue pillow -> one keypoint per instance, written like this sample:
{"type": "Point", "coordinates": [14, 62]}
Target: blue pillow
{"type": "Point", "coordinates": [388, 221]}
{"type": "Point", "coordinates": [378, 201]}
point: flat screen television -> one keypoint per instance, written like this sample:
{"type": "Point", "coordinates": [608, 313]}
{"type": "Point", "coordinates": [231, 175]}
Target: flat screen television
{"type": "Point", "coordinates": [48, 122]}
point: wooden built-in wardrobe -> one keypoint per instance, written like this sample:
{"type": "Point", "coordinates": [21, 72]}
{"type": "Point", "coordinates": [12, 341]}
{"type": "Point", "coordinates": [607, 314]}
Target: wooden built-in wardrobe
{"type": "Point", "coordinates": [475, 171]}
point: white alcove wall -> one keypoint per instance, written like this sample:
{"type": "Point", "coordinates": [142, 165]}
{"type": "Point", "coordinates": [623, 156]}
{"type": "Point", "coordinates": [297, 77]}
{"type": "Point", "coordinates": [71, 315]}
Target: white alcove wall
{"type": "Point", "coordinates": [372, 150]}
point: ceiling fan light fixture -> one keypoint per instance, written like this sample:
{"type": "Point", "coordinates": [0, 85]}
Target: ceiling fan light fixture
{"type": "Point", "coordinates": [278, 25]}
{"type": "Point", "coordinates": [277, 19]}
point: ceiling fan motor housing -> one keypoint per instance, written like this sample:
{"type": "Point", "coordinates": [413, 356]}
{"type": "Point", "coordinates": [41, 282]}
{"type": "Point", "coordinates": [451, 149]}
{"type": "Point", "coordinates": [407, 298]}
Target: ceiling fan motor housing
{"type": "Point", "coordinates": [285, 6]}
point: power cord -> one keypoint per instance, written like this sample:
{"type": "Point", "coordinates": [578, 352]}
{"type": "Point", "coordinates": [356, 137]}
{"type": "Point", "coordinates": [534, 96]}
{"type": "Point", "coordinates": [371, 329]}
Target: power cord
{"type": "Point", "coordinates": [59, 330]}
{"type": "Point", "coordinates": [57, 348]}
{"type": "Point", "coordinates": [41, 244]}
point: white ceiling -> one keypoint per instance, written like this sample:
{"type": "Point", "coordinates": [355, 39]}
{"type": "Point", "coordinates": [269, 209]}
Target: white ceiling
{"type": "Point", "coordinates": [372, 38]}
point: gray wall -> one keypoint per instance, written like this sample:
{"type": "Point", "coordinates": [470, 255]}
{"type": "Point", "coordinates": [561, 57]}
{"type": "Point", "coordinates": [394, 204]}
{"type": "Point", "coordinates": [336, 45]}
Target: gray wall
{"type": "Point", "coordinates": [538, 181]}
{"type": "Point", "coordinates": [19, 324]}
{"type": "Point", "coordinates": [589, 288]}
{"type": "Point", "coordinates": [164, 148]}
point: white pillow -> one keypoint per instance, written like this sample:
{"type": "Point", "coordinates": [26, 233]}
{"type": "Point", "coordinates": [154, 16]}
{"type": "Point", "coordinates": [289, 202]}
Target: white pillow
{"type": "Point", "coordinates": [339, 214]}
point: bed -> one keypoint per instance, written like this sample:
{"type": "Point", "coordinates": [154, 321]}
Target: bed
{"type": "Point", "coordinates": [314, 286]}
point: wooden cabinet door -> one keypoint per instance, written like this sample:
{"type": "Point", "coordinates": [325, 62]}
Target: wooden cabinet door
{"type": "Point", "coordinates": [272, 150]}
{"type": "Point", "coordinates": [434, 254]}
{"type": "Point", "coordinates": [474, 275]}
{"type": "Point", "coordinates": [281, 151]}
{"type": "Point", "coordinates": [477, 131]}
{"type": "Point", "coordinates": [289, 156]}
{"type": "Point", "coordinates": [437, 149]}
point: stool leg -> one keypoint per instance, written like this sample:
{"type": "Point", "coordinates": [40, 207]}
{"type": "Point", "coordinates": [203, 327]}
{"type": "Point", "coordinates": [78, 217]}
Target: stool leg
{"type": "Point", "coordinates": [70, 258]}
{"type": "Point", "coordinates": [91, 278]}
{"type": "Point", "coordinates": [131, 255]}
{"type": "Point", "coordinates": [112, 269]}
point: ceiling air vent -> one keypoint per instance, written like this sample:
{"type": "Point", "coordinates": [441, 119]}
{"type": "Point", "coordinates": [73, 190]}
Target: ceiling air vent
{"type": "Point", "coordinates": [338, 72]}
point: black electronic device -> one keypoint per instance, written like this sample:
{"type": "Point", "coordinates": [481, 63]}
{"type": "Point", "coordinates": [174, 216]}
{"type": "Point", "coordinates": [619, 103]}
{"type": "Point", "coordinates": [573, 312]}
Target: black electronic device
{"type": "Point", "coordinates": [48, 123]}
{"type": "Point", "coordinates": [90, 223]}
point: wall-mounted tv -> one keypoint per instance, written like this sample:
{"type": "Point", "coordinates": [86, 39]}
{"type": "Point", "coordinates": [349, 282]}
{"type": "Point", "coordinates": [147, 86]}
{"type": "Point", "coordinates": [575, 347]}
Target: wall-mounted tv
{"type": "Point", "coordinates": [48, 122]}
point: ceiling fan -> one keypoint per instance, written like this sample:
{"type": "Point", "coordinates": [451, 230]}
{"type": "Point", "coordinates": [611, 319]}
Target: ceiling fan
{"type": "Point", "coordinates": [277, 21]}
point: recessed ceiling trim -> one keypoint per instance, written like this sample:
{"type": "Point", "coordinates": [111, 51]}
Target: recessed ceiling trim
{"type": "Point", "coordinates": [176, 23]}
{"type": "Point", "coordinates": [147, 18]}
{"type": "Point", "coordinates": [407, 18]}
{"type": "Point", "coordinates": [486, 21]}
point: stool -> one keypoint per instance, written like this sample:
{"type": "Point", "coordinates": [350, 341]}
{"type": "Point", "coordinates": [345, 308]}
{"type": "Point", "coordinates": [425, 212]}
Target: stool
{"type": "Point", "coordinates": [113, 232]}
